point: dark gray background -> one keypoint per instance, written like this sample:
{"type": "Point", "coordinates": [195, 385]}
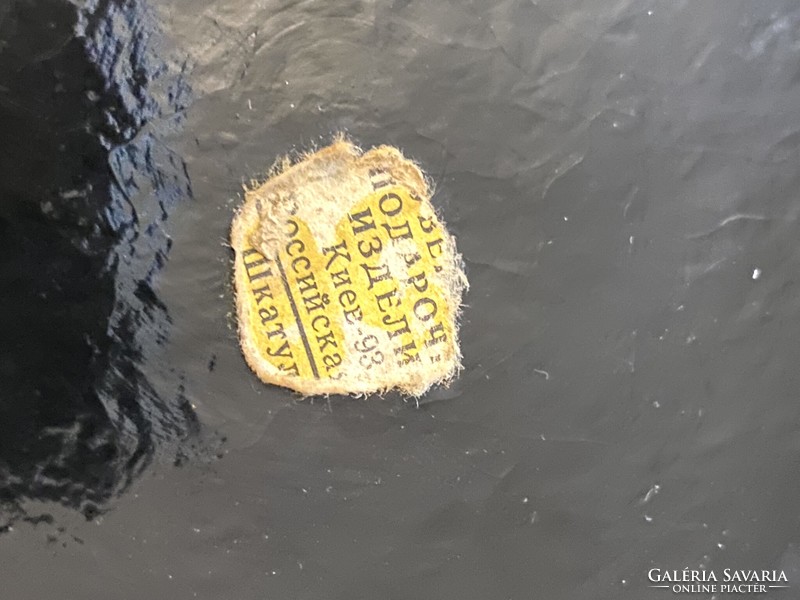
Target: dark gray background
{"type": "Point", "coordinates": [622, 179]}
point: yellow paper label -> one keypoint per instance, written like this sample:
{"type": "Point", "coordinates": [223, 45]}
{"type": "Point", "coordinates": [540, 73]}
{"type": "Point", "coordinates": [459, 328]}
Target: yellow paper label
{"type": "Point", "coordinates": [370, 298]}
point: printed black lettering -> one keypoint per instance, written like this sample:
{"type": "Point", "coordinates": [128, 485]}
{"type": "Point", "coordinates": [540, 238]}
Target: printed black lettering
{"type": "Point", "coordinates": [379, 179]}
{"type": "Point", "coordinates": [437, 244]}
{"type": "Point", "coordinates": [367, 361]}
{"type": "Point", "coordinates": [301, 259]}
{"type": "Point", "coordinates": [262, 292]}
{"type": "Point", "coordinates": [301, 247]}
{"type": "Point", "coordinates": [426, 224]}
{"type": "Point", "coordinates": [374, 247]}
{"type": "Point", "coordinates": [250, 267]}
{"type": "Point", "coordinates": [315, 302]}
{"type": "Point", "coordinates": [437, 335]}
{"type": "Point", "coordinates": [419, 281]}
{"type": "Point", "coordinates": [362, 221]}
{"type": "Point", "coordinates": [292, 370]}
{"type": "Point", "coordinates": [347, 298]}
{"type": "Point", "coordinates": [253, 258]}
{"type": "Point", "coordinates": [390, 204]}
{"type": "Point", "coordinates": [266, 273]}
{"type": "Point", "coordinates": [399, 232]}
{"type": "Point", "coordinates": [341, 278]}
{"type": "Point", "coordinates": [277, 330]}
{"type": "Point", "coordinates": [325, 323]}
{"type": "Point", "coordinates": [389, 298]}
{"type": "Point", "coordinates": [307, 283]}
{"type": "Point", "coordinates": [351, 316]}
{"type": "Point", "coordinates": [331, 361]}
{"type": "Point", "coordinates": [376, 274]}
{"type": "Point", "coordinates": [401, 326]}
{"type": "Point", "coordinates": [326, 340]}
{"type": "Point", "coordinates": [407, 357]}
{"type": "Point", "coordinates": [425, 309]}
{"type": "Point", "coordinates": [283, 351]}
{"type": "Point", "coordinates": [338, 251]}
{"type": "Point", "coordinates": [267, 314]}
{"type": "Point", "coordinates": [412, 258]}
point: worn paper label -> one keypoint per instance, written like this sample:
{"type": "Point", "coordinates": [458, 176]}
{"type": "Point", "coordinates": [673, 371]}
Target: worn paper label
{"type": "Point", "coordinates": [346, 280]}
